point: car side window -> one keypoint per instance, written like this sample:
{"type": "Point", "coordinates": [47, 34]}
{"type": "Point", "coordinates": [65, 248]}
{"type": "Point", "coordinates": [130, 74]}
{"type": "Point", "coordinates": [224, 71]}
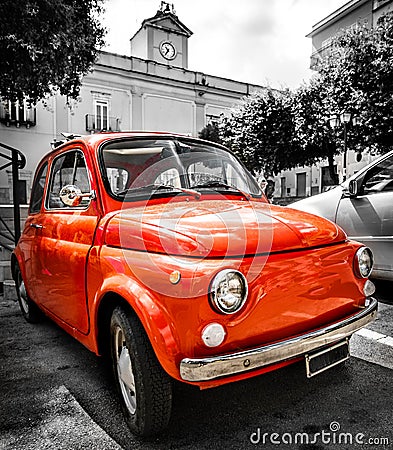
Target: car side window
{"type": "Point", "coordinates": [379, 178]}
{"type": "Point", "coordinates": [67, 169]}
{"type": "Point", "coordinates": [37, 192]}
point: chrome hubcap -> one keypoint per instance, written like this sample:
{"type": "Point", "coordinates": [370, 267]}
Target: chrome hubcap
{"type": "Point", "coordinates": [124, 371]}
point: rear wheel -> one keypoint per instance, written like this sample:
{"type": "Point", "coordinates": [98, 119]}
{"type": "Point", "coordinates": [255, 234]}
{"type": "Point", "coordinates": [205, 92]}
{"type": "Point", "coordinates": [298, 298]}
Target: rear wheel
{"type": "Point", "coordinates": [145, 389]}
{"type": "Point", "coordinates": [29, 309]}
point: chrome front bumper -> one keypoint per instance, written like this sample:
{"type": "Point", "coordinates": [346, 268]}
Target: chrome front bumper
{"type": "Point", "coordinates": [204, 369]}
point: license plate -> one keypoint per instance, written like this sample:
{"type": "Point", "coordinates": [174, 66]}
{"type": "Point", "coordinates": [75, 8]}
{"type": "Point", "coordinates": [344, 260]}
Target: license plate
{"type": "Point", "coordinates": [324, 359]}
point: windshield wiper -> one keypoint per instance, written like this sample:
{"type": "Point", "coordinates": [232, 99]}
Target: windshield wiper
{"type": "Point", "coordinates": [158, 187]}
{"type": "Point", "coordinates": [221, 184]}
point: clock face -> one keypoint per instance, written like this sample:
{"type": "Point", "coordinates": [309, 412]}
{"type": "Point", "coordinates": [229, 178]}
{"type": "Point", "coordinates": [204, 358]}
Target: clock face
{"type": "Point", "coordinates": [167, 50]}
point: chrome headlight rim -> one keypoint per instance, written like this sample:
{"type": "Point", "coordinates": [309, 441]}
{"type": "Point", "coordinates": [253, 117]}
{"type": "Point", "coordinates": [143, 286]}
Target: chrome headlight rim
{"type": "Point", "coordinates": [216, 281]}
{"type": "Point", "coordinates": [358, 262]}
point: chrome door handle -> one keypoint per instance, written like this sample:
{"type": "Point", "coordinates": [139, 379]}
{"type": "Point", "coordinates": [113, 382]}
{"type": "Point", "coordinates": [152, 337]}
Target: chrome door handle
{"type": "Point", "coordinates": [36, 225]}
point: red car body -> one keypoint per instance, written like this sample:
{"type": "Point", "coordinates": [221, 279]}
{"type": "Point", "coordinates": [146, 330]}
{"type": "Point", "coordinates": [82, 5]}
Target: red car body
{"type": "Point", "coordinates": [157, 257]}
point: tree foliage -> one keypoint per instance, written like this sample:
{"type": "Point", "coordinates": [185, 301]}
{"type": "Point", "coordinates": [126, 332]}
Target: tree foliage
{"type": "Point", "coordinates": [281, 130]}
{"type": "Point", "coordinates": [210, 132]}
{"type": "Point", "coordinates": [47, 45]}
{"type": "Point", "coordinates": [274, 131]}
{"type": "Point", "coordinates": [317, 140]}
{"type": "Point", "coordinates": [358, 76]}
{"type": "Point", "coordinates": [261, 131]}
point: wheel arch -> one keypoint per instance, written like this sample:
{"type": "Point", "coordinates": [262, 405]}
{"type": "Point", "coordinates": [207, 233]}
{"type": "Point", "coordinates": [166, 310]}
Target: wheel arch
{"type": "Point", "coordinates": [155, 324]}
{"type": "Point", "coordinates": [108, 303]}
{"type": "Point", "coordinates": [14, 265]}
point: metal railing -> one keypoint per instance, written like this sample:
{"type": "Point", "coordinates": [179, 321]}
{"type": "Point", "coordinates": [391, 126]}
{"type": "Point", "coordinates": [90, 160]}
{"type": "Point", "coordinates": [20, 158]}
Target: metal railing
{"type": "Point", "coordinates": [17, 161]}
{"type": "Point", "coordinates": [94, 124]}
{"type": "Point", "coordinates": [18, 116]}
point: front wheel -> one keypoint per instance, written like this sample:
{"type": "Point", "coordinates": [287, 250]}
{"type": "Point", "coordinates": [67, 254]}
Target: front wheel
{"type": "Point", "coordinates": [145, 389]}
{"type": "Point", "coordinates": [29, 309]}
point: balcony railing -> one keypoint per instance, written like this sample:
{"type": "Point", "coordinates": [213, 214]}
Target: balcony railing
{"type": "Point", "coordinates": [94, 125]}
{"type": "Point", "coordinates": [27, 119]}
{"type": "Point", "coordinates": [324, 52]}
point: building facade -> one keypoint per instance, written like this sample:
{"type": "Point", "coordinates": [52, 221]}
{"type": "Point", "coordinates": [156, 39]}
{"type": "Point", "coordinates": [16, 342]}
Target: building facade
{"type": "Point", "coordinates": [365, 12]}
{"type": "Point", "coordinates": [306, 181]}
{"type": "Point", "coordinates": [151, 90]}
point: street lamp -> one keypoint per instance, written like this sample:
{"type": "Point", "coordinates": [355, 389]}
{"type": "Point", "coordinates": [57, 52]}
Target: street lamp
{"type": "Point", "coordinates": [334, 121]}
{"type": "Point", "coordinates": [343, 119]}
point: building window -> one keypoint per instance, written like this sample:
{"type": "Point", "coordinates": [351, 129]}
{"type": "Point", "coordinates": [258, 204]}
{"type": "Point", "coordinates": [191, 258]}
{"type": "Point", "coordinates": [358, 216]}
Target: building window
{"type": "Point", "coordinates": [100, 119]}
{"type": "Point", "coordinates": [17, 113]}
{"type": "Point", "coordinates": [326, 43]}
{"type": "Point", "coordinates": [378, 3]}
{"type": "Point", "coordinates": [283, 187]}
{"type": "Point", "coordinates": [212, 119]}
{"type": "Point", "coordinates": [101, 114]}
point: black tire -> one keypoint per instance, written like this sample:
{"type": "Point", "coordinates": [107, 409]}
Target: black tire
{"type": "Point", "coordinates": [144, 388]}
{"type": "Point", "coordinates": [29, 309]}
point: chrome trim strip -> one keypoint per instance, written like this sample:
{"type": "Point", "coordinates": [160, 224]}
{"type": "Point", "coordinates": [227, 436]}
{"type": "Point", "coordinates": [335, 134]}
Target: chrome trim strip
{"type": "Point", "coordinates": [210, 368]}
{"type": "Point", "coordinates": [371, 238]}
{"type": "Point", "coordinates": [383, 274]}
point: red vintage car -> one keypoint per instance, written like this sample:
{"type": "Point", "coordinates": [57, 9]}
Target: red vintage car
{"type": "Point", "coordinates": [162, 251]}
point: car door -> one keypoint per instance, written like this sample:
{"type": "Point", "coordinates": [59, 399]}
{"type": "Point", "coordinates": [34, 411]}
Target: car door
{"type": "Point", "coordinates": [368, 216]}
{"type": "Point", "coordinates": [64, 236]}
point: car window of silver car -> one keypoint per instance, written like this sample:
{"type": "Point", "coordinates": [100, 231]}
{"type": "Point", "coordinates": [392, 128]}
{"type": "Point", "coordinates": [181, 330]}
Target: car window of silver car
{"type": "Point", "coordinates": [379, 178]}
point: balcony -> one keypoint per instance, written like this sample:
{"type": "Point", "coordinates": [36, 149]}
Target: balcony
{"type": "Point", "coordinates": [322, 53]}
{"type": "Point", "coordinates": [96, 123]}
{"type": "Point", "coordinates": [18, 117]}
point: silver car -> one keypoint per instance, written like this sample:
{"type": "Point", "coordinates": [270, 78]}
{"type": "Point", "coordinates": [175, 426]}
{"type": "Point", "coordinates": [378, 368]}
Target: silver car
{"type": "Point", "coordinates": [363, 207]}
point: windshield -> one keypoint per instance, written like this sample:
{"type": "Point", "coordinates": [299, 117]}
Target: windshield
{"type": "Point", "coordinates": [138, 167]}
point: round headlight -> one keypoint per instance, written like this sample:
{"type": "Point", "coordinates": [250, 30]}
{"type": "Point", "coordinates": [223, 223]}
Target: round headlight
{"type": "Point", "coordinates": [363, 262]}
{"type": "Point", "coordinates": [228, 291]}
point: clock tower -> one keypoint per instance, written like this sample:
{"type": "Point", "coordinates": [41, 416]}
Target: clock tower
{"type": "Point", "coordinates": [162, 38]}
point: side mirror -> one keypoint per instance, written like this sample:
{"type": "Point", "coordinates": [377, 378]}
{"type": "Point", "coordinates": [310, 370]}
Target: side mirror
{"type": "Point", "coordinates": [353, 188]}
{"type": "Point", "coordinates": [71, 195]}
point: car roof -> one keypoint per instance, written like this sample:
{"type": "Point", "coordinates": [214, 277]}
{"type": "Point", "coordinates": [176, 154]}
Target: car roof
{"type": "Point", "coordinates": [94, 140]}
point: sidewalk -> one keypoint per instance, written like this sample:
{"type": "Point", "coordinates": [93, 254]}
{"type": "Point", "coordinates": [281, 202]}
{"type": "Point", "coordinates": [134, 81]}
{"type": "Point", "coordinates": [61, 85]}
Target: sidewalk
{"type": "Point", "coordinates": [38, 417]}
{"type": "Point", "coordinates": [65, 426]}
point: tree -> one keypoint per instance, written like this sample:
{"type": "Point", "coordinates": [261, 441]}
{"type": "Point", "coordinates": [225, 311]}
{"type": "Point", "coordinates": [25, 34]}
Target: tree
{"type": "Point", "coordinates": [47, 46]}
{"type": "Point", "coordinates": [276, 131]}
{"type": "Point", "coordinates": [210, 132]}
{"type": "Point", "coordinates": [358, 76]}
{"type": "Point", "coordinates": [281, 130]}
{"type": "Point", "coordinates": [261, 131]}
{"type": "Point", "coordinates": [317, 139]}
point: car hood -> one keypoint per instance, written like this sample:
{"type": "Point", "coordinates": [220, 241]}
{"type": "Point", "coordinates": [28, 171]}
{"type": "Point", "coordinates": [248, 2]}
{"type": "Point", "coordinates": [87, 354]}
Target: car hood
{"type": "Point", "coordinates": [218, 229]}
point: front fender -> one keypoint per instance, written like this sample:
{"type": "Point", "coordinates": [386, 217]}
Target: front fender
{"type": "Point", "coordinates": [152, 314]}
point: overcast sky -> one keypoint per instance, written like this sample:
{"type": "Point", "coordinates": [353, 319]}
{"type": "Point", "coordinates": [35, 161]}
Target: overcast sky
{"type": "Point", "coordinates": [255, 41]}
